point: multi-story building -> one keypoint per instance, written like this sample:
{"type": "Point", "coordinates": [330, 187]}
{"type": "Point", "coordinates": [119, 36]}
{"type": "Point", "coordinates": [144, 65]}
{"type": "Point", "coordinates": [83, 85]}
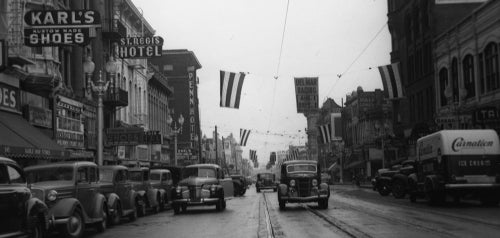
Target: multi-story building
{"type": "Point", "coordinates": [468, 71]}
{"type": "Point", "coordinates": [368, 127]}
{"type": "Point", "coordinates": [413, 26]}
{"type": "Point", "coordinates": [329, 113]}
{"type": "Point", "coordinates": [158, 93]}
{"type": "Point", "coordinates": [180, 68]}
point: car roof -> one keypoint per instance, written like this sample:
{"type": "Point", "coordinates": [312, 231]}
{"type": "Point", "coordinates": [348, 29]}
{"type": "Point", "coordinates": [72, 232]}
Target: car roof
{"type": "Point", "coordinates": [62, 164]}
{"type": "Point", "coordinates": [159, 170]}
{"type": "Point", "coordinates": [203, 165]}
{"type": "Point", "coordinates": [300, 162]}
{"type": "Point", "coordinates": [113, 167]}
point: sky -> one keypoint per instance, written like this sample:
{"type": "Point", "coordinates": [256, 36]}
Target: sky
{"type": "Point", "coordinates": [322, 38]}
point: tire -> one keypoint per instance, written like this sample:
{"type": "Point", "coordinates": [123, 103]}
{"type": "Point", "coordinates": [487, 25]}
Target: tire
{"type": "Point", "coordinates": [133, 216]}
{"type": "Point", "coordinates": [275, 189]}
{"type": "Point", "coordinates": [184, 207]}
{"type": "Point", "coordinates": [115, 219]}
{"type": "Point", "coordinates": [398, 189]}
{"type": "Point", "coordinates": [176, 208]}
{"type": "Point", "coordinates": [413, 197]}
{"type": "Point", "coordinates": [224, 205]}
{"type": "Point", "coordinates": [75, 226]}
{"type": "Point", "coordinates": [323, 203]}
{"type": "Point", "coordinates": [242, 192]}
{"type": "Point", "coordinates": [219, 205]}
{"type": "Point", "coordinates": [383, 190]}
{"type": "Point", "coordinates": [489, 201]}
{"type": "Point", "coordinates": [37, 229]}
{"type": "Point", "coordinates": [434, 197]}
{"type": "Point", "coordinates": [162, 203]}
{"type": "Point", "coordinates": [102, 225]}
{"type": "Point", "coordinates": [141, 208]}
{"type": "Point", "coordinates": [282, 204]}
{"type": "Point", "coordinates": [258, 190]}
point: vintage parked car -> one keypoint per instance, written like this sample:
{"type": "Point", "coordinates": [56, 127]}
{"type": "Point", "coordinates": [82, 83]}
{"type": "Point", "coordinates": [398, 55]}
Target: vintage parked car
{"type": "Point", "coordinates": [161, 179]}
{"type": "Point", "coordinates": [122, 199]}
{"type": "Point", "coordinates": [383, 180]}
{"type": "Point", "coordinates": [240, 184]}
{"type": "Point", "coordinates": [400, 179]}
{"type": "Point", "coordinates": [151, 198]}
{"type": "Point", "coordinates": [202, 185]}
{"type": "Point", "coordinates": [20, 212]}
{"type": "Point", "coordinates": [300, 182]}
{"type": "Point", "coordinates": [71, 192]}
{"type": "Point", "coordinates": [266, 181]}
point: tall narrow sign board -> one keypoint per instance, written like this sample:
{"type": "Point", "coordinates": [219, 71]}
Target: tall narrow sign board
{"type": "Point", "coordinates": [306, 92]}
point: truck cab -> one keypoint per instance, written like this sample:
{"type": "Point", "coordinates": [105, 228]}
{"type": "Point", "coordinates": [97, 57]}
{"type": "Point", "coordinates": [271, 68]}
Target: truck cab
{"type": "Point", "coordinates": [458, 163]}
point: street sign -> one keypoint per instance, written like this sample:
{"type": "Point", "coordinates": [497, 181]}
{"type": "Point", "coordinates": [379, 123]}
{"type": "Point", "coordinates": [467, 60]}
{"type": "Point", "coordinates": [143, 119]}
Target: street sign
{"type": "Point", "coordinates": [306, 92]}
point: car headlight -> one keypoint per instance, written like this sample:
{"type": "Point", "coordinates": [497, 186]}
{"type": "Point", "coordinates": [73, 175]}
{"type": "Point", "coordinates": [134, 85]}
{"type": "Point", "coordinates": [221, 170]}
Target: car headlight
{"type": "Point", "coordinates": [52, 195]}
{"type": "Point", "coordinates": [178, 190]}
{"type": "Point", "coordinates": [213, 188]}
{"type": "Point", "coordinates": [315, 182]}
{"type": "Point", "coordinates": [292, 183]}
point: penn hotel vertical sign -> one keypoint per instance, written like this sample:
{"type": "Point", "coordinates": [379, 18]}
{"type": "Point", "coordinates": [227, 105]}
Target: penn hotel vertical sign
{"type": "Point", "coordinates": [58, 27]}
{"type": "Point", "coordinates": [192, 107]}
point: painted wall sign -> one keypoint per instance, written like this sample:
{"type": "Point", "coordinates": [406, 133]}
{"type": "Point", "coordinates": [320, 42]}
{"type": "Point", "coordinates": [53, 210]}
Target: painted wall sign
{"type": "Point", "coordinates": [306, 92]}
{"type": "Point", "coordinates": [192, 108]}
{"type": "Point", "coordinates": [59, 27]}
{"type": "Point", "coordinates": [38, 116]}
{"type": "Point", "coordinates": [140, 47]}
{"type": "Point", "coordinates": [9, 98]}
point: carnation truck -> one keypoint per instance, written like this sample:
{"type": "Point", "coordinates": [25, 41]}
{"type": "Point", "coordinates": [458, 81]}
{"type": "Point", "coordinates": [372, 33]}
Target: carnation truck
{"type": "Point", "coordinates": [457, 163]}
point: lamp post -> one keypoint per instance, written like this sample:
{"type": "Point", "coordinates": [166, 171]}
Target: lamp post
{"type": "Point", "coordinates": [88, 69]}
{"type": "Point", "coordinates": [382, 138]}
{"type": "Point", "coordinates": [176, 131]}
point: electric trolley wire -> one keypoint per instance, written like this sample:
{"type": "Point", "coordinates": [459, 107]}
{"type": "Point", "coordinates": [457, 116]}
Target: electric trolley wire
{"type": "Point", "coordinates": [282, 40]}
{"type": "Point", "coordinates": [357, 58]}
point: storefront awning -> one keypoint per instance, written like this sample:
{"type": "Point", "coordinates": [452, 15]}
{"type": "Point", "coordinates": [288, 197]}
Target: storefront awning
{"type": "Point", "coordinates": [20, 139]}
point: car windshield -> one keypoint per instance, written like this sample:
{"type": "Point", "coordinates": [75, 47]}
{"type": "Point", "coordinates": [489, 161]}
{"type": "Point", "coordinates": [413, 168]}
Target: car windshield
{"type": "Point", "coordinates": [155, 176]}
{"type": "Point", "coordinates": [106, 175]}
{"type": "Point", "coordinates": [50, 174]}
{"type": "Point", "coordinates": [135, 176]}
{"type": "Point", "coordinates": [266, 176]}
{"type": "Point", "coordinates": [199, 172]}
{"type": "Point", "coordinates": [293, 168]}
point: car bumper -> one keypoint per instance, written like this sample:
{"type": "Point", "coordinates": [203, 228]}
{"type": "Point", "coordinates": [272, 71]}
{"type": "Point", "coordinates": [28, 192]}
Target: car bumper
{"type": "Point", "coordinates": [200, 202]}
{"type": "Point", "coordinates": [471, 186]}
{"type": "Point", "coordinates": [267, 187]}
{"type": "Point", "coordinates": [305, 199]}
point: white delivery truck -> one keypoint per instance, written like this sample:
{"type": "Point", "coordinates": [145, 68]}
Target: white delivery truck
{"type": "Point", "coordinates": [457, 163]}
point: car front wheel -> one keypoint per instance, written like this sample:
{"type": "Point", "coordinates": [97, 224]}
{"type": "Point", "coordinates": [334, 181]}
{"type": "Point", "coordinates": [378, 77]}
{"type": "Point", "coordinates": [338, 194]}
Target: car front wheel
{"type": "Point", "coordinates": [75, 226]}
{"type": "Point", "coordinates": [323, 203]}
{"type": "Point", "coordinates": [176, 208]}
{"type": "Point", "coordinates": [101, 226]}
{"type": "Point", "coordinates": [37, 229]}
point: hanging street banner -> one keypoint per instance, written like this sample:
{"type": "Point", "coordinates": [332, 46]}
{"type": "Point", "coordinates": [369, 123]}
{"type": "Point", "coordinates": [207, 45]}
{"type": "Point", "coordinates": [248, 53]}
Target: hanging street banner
{"type": "Point", "coordinates": [306, 92]}
{"type": "Point", "coordinates": [140, 47]}
{"type": "Point", "coordinates": [60, 27]}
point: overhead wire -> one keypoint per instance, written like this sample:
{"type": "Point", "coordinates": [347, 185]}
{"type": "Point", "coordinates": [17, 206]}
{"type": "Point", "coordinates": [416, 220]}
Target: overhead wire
{"type": "Point", "coordinates": [282, 40]}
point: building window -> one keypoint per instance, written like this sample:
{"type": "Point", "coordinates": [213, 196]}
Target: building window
{"type": "Point", "coordinates": [454, 79]}
{"type": "Point", "coordinates": [443, 83]}
{"type": "Point", "coordinates": [469, 82]}
{"type": "Point", "coordinates": [491, 68]}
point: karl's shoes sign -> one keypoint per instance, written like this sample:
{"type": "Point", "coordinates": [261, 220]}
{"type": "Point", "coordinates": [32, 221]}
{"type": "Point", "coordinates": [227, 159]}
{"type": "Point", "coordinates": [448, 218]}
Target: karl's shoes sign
{"type": "Point", "coordinates": [60, 27]}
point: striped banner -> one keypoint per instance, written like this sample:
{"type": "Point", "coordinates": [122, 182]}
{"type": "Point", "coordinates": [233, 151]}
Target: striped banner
{"type": "Point", "coordinates": [253, 155]}
{"type": "Point", "coordinates": [230, 89]}
{"type": "Point", "coordinates": [391, 80]}
{"type": "Point", "coordinates": [325, 133]}
{"type": "Point", "coordinates": [244, 133]}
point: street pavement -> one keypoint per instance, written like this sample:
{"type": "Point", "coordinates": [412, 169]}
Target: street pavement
{"type": "Point", "coordinates": [353, 212]}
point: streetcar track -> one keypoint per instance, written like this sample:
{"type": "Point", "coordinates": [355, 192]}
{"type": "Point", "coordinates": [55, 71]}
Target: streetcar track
{"type": "Point", "coordinates": [342, 226]}
{"type": "Point", "coordinates": [413, 223]}
{"type": "Point", "coordinates": [269, 224]}
{"type": "Point", "coordinates": [440, 213]}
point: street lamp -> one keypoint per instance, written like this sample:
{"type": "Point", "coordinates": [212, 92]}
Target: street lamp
{"type": "Point", "coordinates": [176, 131]}
{"type": "Point", "coordinates": [382, 138]}
{"type": "Point", "coordinates": [88, 69]}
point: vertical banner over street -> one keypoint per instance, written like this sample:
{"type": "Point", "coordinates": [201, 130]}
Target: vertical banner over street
{"type": "Point", "coordinates": [306, 92]}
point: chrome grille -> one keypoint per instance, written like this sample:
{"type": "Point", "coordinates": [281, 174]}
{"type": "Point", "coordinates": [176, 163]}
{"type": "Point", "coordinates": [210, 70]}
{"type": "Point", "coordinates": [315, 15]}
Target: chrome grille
{"type": "Point", "coordinates": [304, 187]}
{"type": "Point", "coordinates": [194, 192]}
{"type": "Point", "coordinates": [38, 193]}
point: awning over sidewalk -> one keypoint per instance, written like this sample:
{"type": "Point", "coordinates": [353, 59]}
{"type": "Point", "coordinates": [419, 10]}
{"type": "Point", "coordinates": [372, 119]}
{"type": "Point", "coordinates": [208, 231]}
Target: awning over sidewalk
{"type": "Point", "coordinates": [20, 139]}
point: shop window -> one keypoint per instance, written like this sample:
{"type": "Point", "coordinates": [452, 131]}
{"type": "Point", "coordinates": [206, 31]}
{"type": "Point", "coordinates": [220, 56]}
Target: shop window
{"type": "Point", "coordinates": [491, 68]}
{"type": "Point", "coordinates": [468, 72]}
{"type": "Point", "coordinates": [454, 79]}
{"type": "Point", "coordinates": [443, 83]}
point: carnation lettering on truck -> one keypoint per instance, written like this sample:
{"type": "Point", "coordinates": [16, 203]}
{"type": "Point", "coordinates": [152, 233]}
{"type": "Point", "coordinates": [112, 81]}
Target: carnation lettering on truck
{"type": "Point", "coordinates": [457, 163]}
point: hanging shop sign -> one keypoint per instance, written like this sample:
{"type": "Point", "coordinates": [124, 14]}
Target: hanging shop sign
{"type": "Point", "coordinates": [38, 116]}
{"type": "Point", "coordinates": [69, 123]}
{"type": "Point", "coordinates": [9, 98]}
{"type": "Point", "coordinates": [132, 136]}
{"type": "Point", "coordinates": [487, 115]}
{"type": "Point", "coordinates": [59, 27]}
{"type": "Point", "coordinates": [3, 55]}
{"type": "Point", "coordinates": [140, 47]}
{"type": "Point", "coordinates": [306, 92]}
